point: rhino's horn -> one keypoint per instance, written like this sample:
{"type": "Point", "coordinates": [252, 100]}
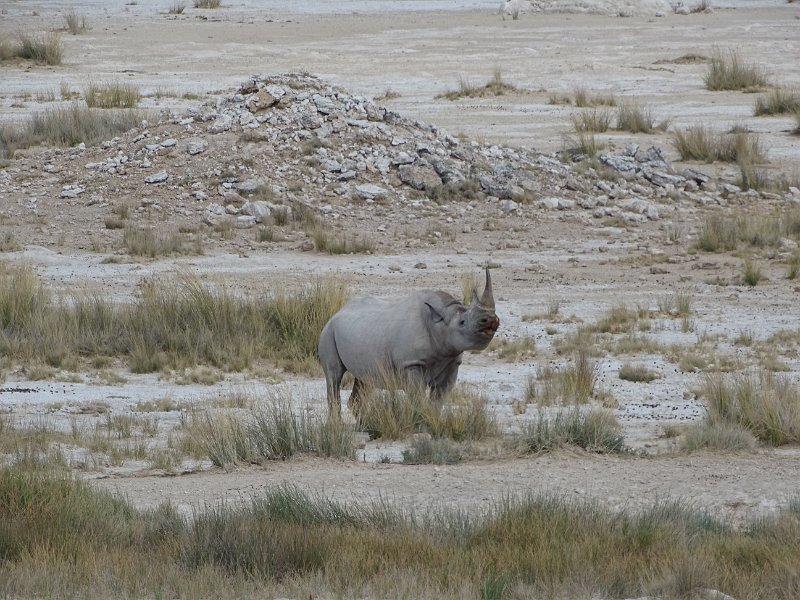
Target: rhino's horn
{"type": "Point", "coordinates": [487, 299]}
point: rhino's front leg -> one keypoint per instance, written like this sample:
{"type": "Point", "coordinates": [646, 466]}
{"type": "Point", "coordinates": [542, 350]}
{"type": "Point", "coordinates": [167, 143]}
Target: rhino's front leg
{"type": "Point", "coordinates": [443, 383]}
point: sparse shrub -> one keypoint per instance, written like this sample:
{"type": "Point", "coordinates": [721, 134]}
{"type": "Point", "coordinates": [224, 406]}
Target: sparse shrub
{"type": "Point", "coordinates": [779, 101]}
{"type": "Point", "coordinates": [9, 243]}
{"type": "Point", "coordinates": [700, 143]}
{"type": "Point", "coordinates": [766, 404]}
{"type": "Point", "coordinates": [515, 350]}
{"type": "Point", "coordinates": [595, 121]}
{"type": "Point", "coordinates": [44, 48]}
{"type": "Point", "coordinates": [111, 95]}
{"type": "Point", "coordinates": [583, 99]}
{"type": "Point", "coordinates": [207, 3]}
{"type": "Point", "coordinates": [793, 265]}
{"type": "Point", "coordinates": [594, 430]}
{"type": "Point", "coordinates": [585, 144]}
{"type": "Point", "coordinates": [426, 450]}
{"type": "Point", "coordinates": [751, 272]}
{"type": "Point", "coordinates": [637, 373]}
{"type": "Point", "coordinates": [177, 8]}
{"type": "Point", "coordinates": [394, 410]}
{"type": "Point", "coordinates": [727, 71]}
{"type": "Point", "coordinates": [570, 384]}
{"type": "Point", "coordinates": [75, 23]}
{"type": "Point", "coordinates": [494, 87]}
{"type": "Point", "coordinates": [638, 120]}
{"type": "Point", "coordinates": [342, 243]}
{"type": "Point", "coordinates": [146, 242]}
{"type": "Point", "coordinates": [717, 234]}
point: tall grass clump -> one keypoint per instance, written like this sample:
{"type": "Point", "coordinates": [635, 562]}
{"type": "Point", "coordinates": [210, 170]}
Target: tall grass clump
{"type": "Point", "coordinates": [638, 120]}
{"type": "Point", "coordinates": [727, 71]}
{"type": "Point", "coordinates": [341, 243]}
{"type": "Point", "coordinates": [718, 234]}
{"type": "Point", "coordinates": [150, 243]}
{"type": "Point", "coordinates": [176, 323]}
{"type": "Point", "coordinates": [75, 23]}
{"type": "Point", "coordinates": [58, 533]}
{"type": "Point", "coordinates": [571, 384]}
{"type": "Point", "coordinates": [595, 120]}
{"type": "Point", "coordinates": [496, 86]}
{"type": "Point", "coordinates": [272, 430]}
{"type": "Point", "coordinates": [718, 436]}
{"type": "Point", "coordinates": [111, 95]}
{"type": "Point", "coordinates": [394, 409]}
{"type": "Point", "coordinates": [67, 126]}
{"type": "Point", "coordinates": [700, 143]}
{"type": "Point", "coordinates": [766, 404]}
{"type": "Point", "coordinates": [207, 3]}
{"type": "Point", "coordinates": [583, 99]}
{"type": "Point", "coordinates": [779, 101]}
{"type": "Point", "coordinates": [593, 430]}
{"type": "Point", "coordinates": [44, 48]}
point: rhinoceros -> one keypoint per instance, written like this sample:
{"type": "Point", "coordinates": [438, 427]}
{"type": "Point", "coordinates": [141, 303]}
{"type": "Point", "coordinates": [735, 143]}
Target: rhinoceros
{"type": "Point", "coordinates": [419, 338]}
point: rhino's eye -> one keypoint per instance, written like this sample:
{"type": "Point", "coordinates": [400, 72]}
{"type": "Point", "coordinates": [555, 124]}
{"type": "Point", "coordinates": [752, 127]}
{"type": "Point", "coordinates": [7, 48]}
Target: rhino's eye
{"type": "Point", "coordinates": [462, 322]}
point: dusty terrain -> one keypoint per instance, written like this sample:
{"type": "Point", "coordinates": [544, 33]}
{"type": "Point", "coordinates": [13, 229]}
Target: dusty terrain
{"type": "Point", "coordinates": [585, 261]}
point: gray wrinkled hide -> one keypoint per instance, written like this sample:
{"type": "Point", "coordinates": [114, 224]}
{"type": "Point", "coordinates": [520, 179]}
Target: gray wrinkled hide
{"type": "Point", "coordinates": [420, 338]}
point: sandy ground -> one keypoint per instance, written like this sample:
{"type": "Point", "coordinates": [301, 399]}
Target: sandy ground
{"type": "Point", "coordinates": [589, 269]}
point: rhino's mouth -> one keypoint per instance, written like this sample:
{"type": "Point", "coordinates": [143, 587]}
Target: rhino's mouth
{"type": "Point", "coordinates": [491, 327]}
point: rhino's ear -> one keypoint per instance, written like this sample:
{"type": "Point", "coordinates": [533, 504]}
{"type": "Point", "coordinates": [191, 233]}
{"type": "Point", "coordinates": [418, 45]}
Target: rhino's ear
{"type": "Point", "coordinates": [436, 316]}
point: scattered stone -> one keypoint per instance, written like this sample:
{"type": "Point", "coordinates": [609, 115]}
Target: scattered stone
{"type": "Point", "coordinates": [159, 177]}
{"type": "Point", "coordinates": [369, 191]}
{"type": "Point", "coordinates": [196, 146]}
{"type": "Point", "coordinates": [420, 265]}
{"type": "Point", "coordinates": [72, 191]}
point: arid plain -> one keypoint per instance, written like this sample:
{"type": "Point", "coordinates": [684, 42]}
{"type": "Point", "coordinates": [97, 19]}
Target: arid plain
{"type": "Point", "coordinates": [558, 267]}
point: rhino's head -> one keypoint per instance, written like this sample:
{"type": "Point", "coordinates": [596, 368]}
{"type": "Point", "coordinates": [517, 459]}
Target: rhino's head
{"type": "Point", "coordinates": [467, 327]}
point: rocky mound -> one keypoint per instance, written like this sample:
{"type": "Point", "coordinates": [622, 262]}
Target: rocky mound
{"type": "Point", "coordinates": [292, 141]}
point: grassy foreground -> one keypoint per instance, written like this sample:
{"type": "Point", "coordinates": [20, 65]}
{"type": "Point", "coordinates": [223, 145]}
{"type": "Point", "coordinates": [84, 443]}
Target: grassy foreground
{"type": "Point", "coordinates": [59, 537]}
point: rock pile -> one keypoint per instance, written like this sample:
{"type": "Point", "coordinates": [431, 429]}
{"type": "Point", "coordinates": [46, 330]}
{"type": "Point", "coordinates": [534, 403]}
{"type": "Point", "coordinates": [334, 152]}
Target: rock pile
{"type": "Point", "coordinates": [290, 142]}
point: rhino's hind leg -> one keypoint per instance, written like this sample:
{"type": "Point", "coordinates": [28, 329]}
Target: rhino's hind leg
{"type": "Point", "coordinates": [334, 370]}
{"type": "Point", "coordinates": [356, 395]}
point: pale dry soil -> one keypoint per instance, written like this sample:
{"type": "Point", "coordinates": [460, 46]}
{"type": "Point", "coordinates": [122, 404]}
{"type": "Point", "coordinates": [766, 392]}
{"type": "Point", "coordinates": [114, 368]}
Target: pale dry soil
{"type": "Point", "coordinates": [587, 266]}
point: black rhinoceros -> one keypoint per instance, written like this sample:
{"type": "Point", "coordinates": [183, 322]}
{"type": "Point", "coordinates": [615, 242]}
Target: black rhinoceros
{"type": "Point", "coordinates": [419, 338]}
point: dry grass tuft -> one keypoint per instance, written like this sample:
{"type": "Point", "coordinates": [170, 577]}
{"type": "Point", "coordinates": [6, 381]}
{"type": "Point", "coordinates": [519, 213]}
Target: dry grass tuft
{"type": "Point", "coordinates": [594, 121]}
{"type": "Point", "coordinates": [779, 101]}
{"type": "Point", "coordinates": [727, 71]}
{"type": "Point", "coordinates": [207, 3]}
{"type": "Point", "coordinates": [44, 48]}
{"type": "Point", "coordinates": [584, 99]}
{"type": "Point", "coordinates": [638, 120]}
{"type": "Point", "coordinates": [766, 404]}
{"type": "Point", "coordinates": [67, 126]}
{"type": "Point", "coordinates": [112, 95]}
{"type": "Point", "coordinates": [595, 431]}
{"type": "Point", "coordinates": [494, 87]}
{"type": "Point", "coordinates": [700, 143]}
{"type": "Point", "coordinates": [75, 23]}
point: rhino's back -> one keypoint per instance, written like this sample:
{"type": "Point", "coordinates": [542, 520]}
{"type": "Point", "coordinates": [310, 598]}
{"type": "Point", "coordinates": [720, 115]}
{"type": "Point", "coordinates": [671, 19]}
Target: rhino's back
{"type": "Point", "coordinates": [372, 334]}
